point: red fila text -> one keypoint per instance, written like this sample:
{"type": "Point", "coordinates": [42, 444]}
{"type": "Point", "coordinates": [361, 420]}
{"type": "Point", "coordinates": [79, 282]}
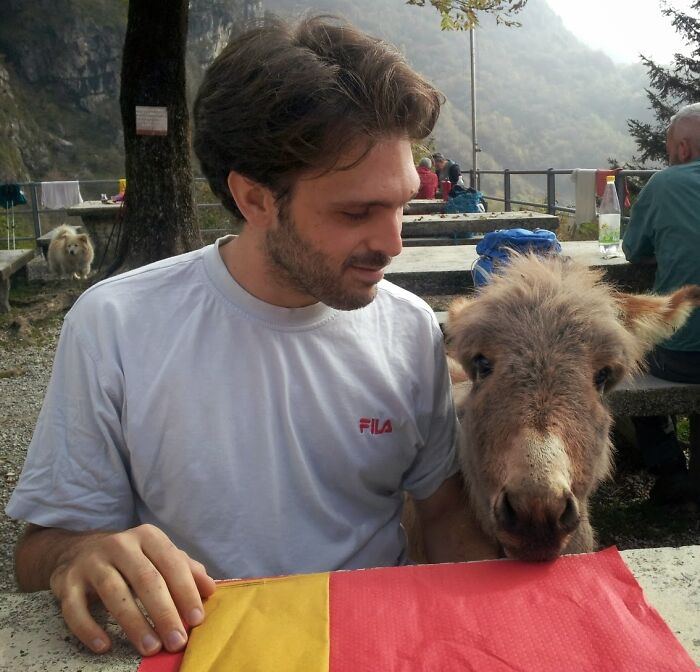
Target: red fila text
{"type": "Point", "coordinates": [375, 426]}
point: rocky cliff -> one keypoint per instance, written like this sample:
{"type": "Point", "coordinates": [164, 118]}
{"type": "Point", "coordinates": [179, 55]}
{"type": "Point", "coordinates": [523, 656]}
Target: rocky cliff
{"type": "Point", "coordinates": [60, 64]}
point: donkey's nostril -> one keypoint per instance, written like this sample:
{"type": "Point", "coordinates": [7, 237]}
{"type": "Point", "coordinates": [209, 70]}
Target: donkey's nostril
{"type": "Point", "coordinates": [569, 518]}
{"type": "Point", "coordinates": [506, 516]}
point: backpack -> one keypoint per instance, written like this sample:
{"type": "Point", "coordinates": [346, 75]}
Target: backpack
{"type": "Point", "coordinates": [493, 249]}
{"type": "Point", "coordinates": [464, 199]}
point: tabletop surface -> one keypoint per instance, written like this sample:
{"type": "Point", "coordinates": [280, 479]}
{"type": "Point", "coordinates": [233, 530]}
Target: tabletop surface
{"type": "Point", "coordinates": [459, 258]}
{"type": "Point", "coordinates": [33, 637]}
{"type": "Point", "coordinates": [12, 260]}
{"type": "Point", "coordinates": [516, 216]}
{"type": "Point", "coordinates": [92, 207]}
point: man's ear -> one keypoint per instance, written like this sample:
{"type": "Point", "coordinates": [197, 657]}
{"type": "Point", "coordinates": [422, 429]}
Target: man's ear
{"type": "Point", "coordinates": [654, 318]}
{"type": "Point", "coordinates": [255, 201]}
{"type": "Point", "coordinates": [685, 151]}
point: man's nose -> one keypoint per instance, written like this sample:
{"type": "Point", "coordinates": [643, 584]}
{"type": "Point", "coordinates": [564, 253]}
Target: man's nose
{"type": "Point", "coordinates": [386, 236]}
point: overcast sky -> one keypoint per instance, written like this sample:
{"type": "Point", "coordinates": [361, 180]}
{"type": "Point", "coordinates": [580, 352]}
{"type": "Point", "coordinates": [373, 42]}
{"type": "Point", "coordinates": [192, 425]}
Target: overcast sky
{"type": "Point", "coordinates": [623, 28]}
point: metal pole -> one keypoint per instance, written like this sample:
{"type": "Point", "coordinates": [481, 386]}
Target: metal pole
{"type": "Point", "coordinates": [475, 145]}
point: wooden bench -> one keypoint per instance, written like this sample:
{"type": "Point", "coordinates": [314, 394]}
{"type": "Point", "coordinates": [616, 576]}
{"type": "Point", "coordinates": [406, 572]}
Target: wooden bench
{"type": "Point", "coordinates": [466, 228]}
{"type": "Point", "coordinates": [647, 395]}
{"type": "Point", "coordinates": [11, 261]}
{"type": "Point", "coordinates": [433, 241]}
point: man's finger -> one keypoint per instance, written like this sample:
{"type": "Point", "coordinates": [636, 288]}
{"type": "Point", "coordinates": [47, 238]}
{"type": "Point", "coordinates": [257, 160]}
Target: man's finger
{"type": "Point", "coordinates": [175, 568]}
{"type": "Point", "coordinates": [156, 596]}
{"type": "Point", "coordinates": [118, 599]}
{"type": "Point", "coordinates": [74, 606]}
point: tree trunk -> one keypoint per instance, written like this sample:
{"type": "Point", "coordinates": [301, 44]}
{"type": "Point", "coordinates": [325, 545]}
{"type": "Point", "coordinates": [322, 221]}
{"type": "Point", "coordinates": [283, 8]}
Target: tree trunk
{"type": "Point", "coordinates": [160, 218]}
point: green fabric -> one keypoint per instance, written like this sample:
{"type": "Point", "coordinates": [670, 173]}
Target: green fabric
{"type": "Point", "coordinates": [665, 224]}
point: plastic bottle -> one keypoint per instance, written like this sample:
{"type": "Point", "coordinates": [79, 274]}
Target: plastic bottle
{"type": "Point", "coordinates": [609, 221]}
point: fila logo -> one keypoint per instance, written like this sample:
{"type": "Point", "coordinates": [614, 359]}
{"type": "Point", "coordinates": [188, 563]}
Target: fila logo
{"type": "Point", "coordinates": [375, 426]}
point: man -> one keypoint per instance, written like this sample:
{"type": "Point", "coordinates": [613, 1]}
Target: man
{"type": "Point", "coordinates": [664, 229]}
{"type": "Point", "coordinates": [428, 179]}
{"type": "Point", "coordinates": [259, 406]}
{"type": "Point", "coordinates": [446, 169]}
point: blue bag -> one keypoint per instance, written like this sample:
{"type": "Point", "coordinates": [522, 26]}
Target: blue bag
{"type": "Point", "coordinates": [463, 199]}
{"type": "Point", "coordinates": [493, 249]}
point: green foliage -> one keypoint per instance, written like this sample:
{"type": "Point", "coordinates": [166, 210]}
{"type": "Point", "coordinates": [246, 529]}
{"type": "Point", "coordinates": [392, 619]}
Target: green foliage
{"type": "Point", "coordinates": [671, 87]}
{"type": "Point", "coordinates": [463, 14]}
{"type": "Point", "coordinates": [421, 149]}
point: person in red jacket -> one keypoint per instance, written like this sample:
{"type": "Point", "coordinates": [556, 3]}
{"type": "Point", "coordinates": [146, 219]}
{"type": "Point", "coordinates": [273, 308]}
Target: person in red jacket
{"type": "Point", "coordinates": [428, 179]}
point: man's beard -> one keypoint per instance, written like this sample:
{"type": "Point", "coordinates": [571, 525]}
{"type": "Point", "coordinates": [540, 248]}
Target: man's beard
{"type": "Point", "coordinates": [297, 264]}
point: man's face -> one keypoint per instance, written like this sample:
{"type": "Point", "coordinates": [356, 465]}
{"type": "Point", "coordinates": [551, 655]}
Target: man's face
{"type": "Point", "coordinates": [340, 230]}
{"type": "Point", "coordinates": [440, 163]}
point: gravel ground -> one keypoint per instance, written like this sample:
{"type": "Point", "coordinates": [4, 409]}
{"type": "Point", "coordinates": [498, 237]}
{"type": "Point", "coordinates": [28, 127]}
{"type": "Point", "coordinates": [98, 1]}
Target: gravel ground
{"type": "Point", "coordinates": [24, 375]}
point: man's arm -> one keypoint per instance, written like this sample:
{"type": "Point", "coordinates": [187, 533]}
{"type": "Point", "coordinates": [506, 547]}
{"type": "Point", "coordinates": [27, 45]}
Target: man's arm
{"type": "Point", "coordinates": [115, 568]}
{"type": "Point", "coordinates": [449, 531]}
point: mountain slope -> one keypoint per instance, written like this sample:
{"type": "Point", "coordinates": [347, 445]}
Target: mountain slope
{"type": "Point", "coordinates": [543, 99]}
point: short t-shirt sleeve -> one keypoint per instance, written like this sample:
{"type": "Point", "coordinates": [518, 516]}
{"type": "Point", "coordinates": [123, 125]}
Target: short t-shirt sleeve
{"type": "Point", "coordinates": [437, 458]}
{"type": "Point", "coordinates": [75, 476]}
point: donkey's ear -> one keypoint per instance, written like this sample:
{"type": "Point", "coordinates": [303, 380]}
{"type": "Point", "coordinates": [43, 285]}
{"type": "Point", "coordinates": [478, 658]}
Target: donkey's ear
{"type": "Point", "coordinates": [653, 318]}
{"type": "Point", "coordinates": [455, 328]}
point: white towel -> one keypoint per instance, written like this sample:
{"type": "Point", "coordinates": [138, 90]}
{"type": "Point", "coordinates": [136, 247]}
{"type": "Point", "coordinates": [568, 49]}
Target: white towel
{"type": "Point", "coordinates": [584, 179]}
{"type": "Point", "coordinates": [60, 195]}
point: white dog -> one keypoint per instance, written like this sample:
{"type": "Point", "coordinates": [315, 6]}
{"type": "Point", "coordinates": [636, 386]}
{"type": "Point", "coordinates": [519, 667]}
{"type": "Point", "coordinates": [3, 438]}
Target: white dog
{"type": "Point", "coordinates": [70, 253]}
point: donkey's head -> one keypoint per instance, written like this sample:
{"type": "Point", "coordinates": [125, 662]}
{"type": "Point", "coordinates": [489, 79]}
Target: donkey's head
{"type": "Point", "coordinates": [541, 345]}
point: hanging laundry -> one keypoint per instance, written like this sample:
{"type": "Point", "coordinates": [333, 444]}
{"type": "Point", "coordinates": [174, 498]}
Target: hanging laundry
{"type": "Point", "coordinates": [600, 178]}
{"type": "Point", "coordinates": [585, 184]}
{"type": "Point", "coordinates": [60, 195]}
{"type": "Point", "coordinates": [11, 194]}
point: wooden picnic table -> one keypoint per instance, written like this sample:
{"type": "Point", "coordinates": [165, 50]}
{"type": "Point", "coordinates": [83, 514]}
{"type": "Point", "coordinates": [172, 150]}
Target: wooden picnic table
{"type": "Point", "coordinates": [11, 261]}
{"type": "Point", "coordinates": [415, 226]}
{"type": "Point", "coordinates": [34, 638]}
{"type": "Point", "coordinates": [446, 269]}
{"type": "Point", "coordinates": [424, 206]}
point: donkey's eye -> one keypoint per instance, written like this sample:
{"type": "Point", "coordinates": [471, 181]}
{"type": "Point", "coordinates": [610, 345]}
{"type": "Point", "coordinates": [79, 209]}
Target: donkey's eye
{"type": "Point", "coordinates": [480, 367]}
{"type": "Point", "coordinates": [601, 378]}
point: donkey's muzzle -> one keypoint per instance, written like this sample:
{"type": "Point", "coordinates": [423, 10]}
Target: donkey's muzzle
{"type": "Point", "coordinates": [535, 524]}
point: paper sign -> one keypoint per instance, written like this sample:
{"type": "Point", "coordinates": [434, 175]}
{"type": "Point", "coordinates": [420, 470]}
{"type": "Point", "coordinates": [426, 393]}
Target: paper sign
{"type": "Point", "coordinates": [151, 120]}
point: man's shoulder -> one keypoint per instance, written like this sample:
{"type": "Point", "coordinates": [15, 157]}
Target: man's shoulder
{"type": "Point", "coordinates": [397, 298]}
{"type": "Point", "coordinates": [157, 279]}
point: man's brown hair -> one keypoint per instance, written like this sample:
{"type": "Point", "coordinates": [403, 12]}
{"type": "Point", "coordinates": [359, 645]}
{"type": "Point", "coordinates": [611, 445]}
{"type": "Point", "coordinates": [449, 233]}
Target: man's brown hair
{"type": "Point", "coordinates": [281, 100]}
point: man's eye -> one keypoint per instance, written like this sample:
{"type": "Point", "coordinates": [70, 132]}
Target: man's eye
{"type": "Point", "coordinates": [356, 216]}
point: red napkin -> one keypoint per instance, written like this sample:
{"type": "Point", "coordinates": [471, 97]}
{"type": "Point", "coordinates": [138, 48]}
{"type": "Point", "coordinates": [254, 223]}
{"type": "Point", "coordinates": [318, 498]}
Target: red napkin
{"type": "Point", "coordinates": [578, 613]}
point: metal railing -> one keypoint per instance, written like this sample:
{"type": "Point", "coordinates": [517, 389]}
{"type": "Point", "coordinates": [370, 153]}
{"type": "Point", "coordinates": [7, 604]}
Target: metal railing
{"type": "Point", "coordinates": [550, 202]}
{"type": "Point", "coordinates": [92, 190]}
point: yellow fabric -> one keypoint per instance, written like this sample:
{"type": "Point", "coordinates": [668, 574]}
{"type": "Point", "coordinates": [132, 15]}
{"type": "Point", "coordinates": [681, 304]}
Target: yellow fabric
{"type": "Point", "coordinates": [278, 624]}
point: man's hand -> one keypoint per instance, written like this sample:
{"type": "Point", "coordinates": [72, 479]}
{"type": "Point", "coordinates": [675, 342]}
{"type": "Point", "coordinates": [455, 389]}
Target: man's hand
{"type": "Point", "coordinates": [117, 568]}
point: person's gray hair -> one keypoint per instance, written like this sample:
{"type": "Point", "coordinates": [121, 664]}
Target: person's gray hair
{"type": "Point", "coordinates": [685, 124]}
{"type": "Point", "coordinates": [425, 162]}
{"type": "Point", "coordinates": [689, 112]}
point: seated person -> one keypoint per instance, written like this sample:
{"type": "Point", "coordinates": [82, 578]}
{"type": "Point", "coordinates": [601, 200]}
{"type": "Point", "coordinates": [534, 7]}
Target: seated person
{"type": "Point", "coordinates": [664, 229]}
{"type": "Point", "coordinates": [259, 406]}
{"type": "Point", "coordinates": [428, 179]}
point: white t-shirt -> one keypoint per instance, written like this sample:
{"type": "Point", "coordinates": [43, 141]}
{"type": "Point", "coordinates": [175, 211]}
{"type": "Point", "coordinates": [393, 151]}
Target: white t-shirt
{"type": "Point", "coordinates": [262, 440]}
